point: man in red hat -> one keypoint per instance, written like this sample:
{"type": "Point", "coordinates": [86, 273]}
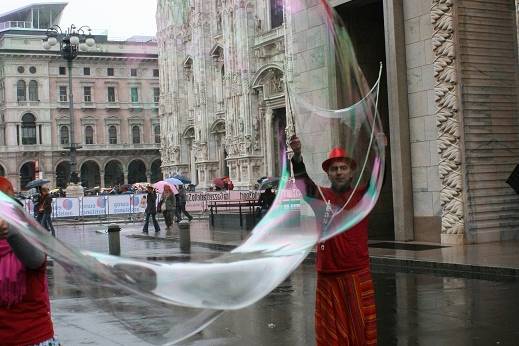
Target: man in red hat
{"type": "Point", "coordinates": [345, 312]}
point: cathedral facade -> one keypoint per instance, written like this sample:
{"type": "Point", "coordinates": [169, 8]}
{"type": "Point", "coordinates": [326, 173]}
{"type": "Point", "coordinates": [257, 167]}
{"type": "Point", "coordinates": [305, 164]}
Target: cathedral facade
{"type": "Point", "coordinates": [448, 102]}
{"type": "Point", "coordinates": [222, 104]}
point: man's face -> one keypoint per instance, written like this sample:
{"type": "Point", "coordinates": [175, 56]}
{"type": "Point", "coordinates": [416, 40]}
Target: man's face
{"type": "Point", "coordinates": [340, 174]}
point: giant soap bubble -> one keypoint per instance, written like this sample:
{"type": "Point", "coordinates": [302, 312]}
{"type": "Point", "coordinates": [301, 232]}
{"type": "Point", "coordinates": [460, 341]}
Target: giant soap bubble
{"type": "Point", "coordinates": [329, 104]}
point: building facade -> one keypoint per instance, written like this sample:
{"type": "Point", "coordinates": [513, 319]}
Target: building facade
{"type": "Point", "coordinates": [448, 102]}
{"type": "Point", "coordinates": [115, 86]}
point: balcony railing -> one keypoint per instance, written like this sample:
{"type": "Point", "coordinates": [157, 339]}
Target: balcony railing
{"type": "Point", "coordinates": [28, 103]}
{"type": "Point", "coordinates": [112, 105]}
{"type": "Point", "coordinates": [88, 105]}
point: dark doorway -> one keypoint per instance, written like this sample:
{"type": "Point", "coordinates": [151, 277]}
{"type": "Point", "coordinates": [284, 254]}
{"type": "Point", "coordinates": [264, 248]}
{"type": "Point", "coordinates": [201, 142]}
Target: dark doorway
{"type": "Point", "coordinates": [137, 172]}
{"type": "Point", "coordinates": [364, 20]}
{"type": "Point", "coordinates": [90, 174]}
{"type": "Point", "coordinates": [2, 171]}
{"type": "Point", "coordinates": [156, 173]}
{"type": "Point", "coordinates": [279, 123]}
{"type": "Point", "coordinates": [62, 174]}
{"type": "Point", "coordinates": [114, 174]}
{"type": "Point", "coordinates": [27, 173]}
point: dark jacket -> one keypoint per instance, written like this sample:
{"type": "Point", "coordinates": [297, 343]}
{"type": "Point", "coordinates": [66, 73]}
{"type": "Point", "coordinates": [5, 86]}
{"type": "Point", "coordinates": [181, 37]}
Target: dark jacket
{"type": "Point", "coordinates": [45, 204]}
{"type": "Point", "coordinates": [181, 197]}
{"type": "Point", "coordinates": [151, 203]}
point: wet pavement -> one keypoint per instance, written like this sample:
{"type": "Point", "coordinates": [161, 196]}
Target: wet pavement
{"type": "Point", "coordinates": [413, 308]}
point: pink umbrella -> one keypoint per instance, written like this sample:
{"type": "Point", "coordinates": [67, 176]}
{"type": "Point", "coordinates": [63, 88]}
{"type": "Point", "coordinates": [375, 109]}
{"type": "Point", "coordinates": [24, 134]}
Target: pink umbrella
{"type": "Point", "coordinates": [159, 186]}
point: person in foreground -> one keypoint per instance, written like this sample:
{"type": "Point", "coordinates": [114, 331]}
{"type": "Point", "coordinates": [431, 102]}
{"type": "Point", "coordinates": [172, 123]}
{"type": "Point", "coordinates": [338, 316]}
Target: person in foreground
{"type": "Point", "coordinates": [345, 311]}
{"type": "Point", "coordinates": [25, 317]}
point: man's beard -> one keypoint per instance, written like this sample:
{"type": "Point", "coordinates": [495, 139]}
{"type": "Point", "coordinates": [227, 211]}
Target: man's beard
{"type": "Point", "coordinates": [343, 187]}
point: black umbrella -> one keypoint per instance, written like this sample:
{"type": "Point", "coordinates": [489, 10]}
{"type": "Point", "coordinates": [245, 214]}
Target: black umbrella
{"type": "Point", "coordinates": [269, 183]}
{"type": "Point", "coordinates": [37, 183]}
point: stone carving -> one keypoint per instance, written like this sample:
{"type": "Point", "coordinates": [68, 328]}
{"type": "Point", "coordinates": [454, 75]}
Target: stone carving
{"type": "Point", "coordinates": [276, 83]}
{"type": "Point", "coordinates": [444, 67]}
{"type": "Point", "coordinates": [201, 153]}
{"type": "Point", "coordinates": [176, 155]}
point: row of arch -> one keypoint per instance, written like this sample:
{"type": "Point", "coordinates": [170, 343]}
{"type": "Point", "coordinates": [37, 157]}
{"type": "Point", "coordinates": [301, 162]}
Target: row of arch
{"type": "Point", "coordinates": [90, 173]}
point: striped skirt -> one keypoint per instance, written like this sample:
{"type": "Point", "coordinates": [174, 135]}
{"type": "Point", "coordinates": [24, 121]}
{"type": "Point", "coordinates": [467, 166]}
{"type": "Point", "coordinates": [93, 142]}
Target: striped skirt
{"type": "Point", "coordinates": [345, 312]}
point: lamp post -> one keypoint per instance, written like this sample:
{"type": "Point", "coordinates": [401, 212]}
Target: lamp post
{"type": "Point", "coordinates": [70, 41]}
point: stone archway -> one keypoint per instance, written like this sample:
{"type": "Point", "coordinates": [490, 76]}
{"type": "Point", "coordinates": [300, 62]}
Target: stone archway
{"type": "Point", "coordinates": [271, 125]}
{"type": "Point", "coordinates": [27, 173]}
{"type": "Point", "coordinates": [156, 173]}
{"type": "Point", "coordinates": [217, 141]}
{"type": "Point", "coordinates": [62, 174]}
{"type": "Point", "coordinates": [114, 174]}
{"type": "Point", "coordinates": [137, 172]}
{"type": "Point", "coordinates": [90, 174]}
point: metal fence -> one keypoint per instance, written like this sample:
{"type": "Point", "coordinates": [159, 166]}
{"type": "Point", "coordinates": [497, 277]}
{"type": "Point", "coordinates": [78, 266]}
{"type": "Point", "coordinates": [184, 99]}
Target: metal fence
{"type": "Point", "coordinates": [107, 205]}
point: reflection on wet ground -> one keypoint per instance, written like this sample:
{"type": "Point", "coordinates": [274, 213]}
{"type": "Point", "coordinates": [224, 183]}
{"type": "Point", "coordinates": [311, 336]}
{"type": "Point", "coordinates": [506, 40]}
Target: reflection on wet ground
{"type": "Point", "coordinates": [413, 309]}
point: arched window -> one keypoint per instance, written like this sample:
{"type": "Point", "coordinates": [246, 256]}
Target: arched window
{"type": "Point", "coordinates": [33, 91]}
{"type": "Point", "coordinates": [156, 132]}
{"type": "Point", "coordinates": [28, 129]}
{"type": "Point", "coordinates": [89, 135]}
{"type": "Point", "coordinates": [64, 135]}
{"type": "Point", "coordinates": [21, 91]}
{"type": "Point", "coordinates": [136, 134]}
{"type": "Point", "coordinates": [112, 135]}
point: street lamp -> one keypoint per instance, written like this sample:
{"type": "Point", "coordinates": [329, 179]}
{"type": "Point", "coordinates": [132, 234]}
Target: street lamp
{"type": "Point", "coordinates": [71, 41]}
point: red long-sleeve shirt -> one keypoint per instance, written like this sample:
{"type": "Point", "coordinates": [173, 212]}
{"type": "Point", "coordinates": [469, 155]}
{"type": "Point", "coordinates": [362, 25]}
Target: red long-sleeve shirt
{"type": "Point", "coordinates": [347, 251]}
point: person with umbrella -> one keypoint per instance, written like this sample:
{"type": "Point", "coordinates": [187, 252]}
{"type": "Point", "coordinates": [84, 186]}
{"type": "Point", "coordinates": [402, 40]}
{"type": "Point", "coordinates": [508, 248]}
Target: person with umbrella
{"type": "Point", "coordinates": [45, 210]}
{"type": "Point", "coordinates": [181, 206]}
{"type": "Point", "coordinates": [265, 200]}
{"type": "Point", "coordinates": [151, 209]}
{"type": "Point", "coordinates": [168, 206]}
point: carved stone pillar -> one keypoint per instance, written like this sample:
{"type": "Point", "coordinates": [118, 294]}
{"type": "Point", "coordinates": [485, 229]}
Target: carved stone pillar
{"type": "Point", "coordinates": [447, 121]}
{"type": "Point", "coordinates": [269, 140]}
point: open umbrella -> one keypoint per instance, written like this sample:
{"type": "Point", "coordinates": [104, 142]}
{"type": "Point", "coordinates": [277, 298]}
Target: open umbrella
{"type": "Point", "coordinates": [37, 183]}
{"type": "Point", "coordinates": [174, 181]}
{"type": "Point", "coordinates": [159, 186]}
{"type": "Point", "coordinates": [183, 179]}
{"type": "Point", "coordinates": [269, 183]}
{"type": "Point", "coordinates": [219, 183]}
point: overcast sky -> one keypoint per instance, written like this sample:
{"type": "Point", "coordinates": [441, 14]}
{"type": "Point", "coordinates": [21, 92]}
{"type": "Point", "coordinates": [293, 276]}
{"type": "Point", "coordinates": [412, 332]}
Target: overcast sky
{"type": "Point", "coordinates": [122, 18]}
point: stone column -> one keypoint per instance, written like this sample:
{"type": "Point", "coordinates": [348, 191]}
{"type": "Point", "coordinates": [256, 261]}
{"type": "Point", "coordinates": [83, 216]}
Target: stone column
{"type": "Point", "coordinates": [125, 180]}
{"type": "Point", "coordinates": [399, 120]}
{"type": "Point", "coordinates": [148, 177]}
{"type": "Point", "coordinates": [447, 121]}
{"type": "Point", "coordinates": [102, 176]}
{"type": "Point", "coordinates": [269, 140]}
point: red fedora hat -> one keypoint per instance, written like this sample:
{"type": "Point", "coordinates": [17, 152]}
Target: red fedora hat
{"type": "Point", "coordinates": [336, 154]}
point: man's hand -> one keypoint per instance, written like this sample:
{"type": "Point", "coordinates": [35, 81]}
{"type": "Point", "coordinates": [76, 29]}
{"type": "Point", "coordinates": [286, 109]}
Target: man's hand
{"type": "Point", "coordinates": [4, 229]}
{"type": "Point", "coordinates": [295, 144]}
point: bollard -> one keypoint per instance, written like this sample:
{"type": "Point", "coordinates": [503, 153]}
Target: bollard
{"type": "Point", "coordinates": [185, 236]}
{"type": "Point", "coordinates": [114, 240]}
